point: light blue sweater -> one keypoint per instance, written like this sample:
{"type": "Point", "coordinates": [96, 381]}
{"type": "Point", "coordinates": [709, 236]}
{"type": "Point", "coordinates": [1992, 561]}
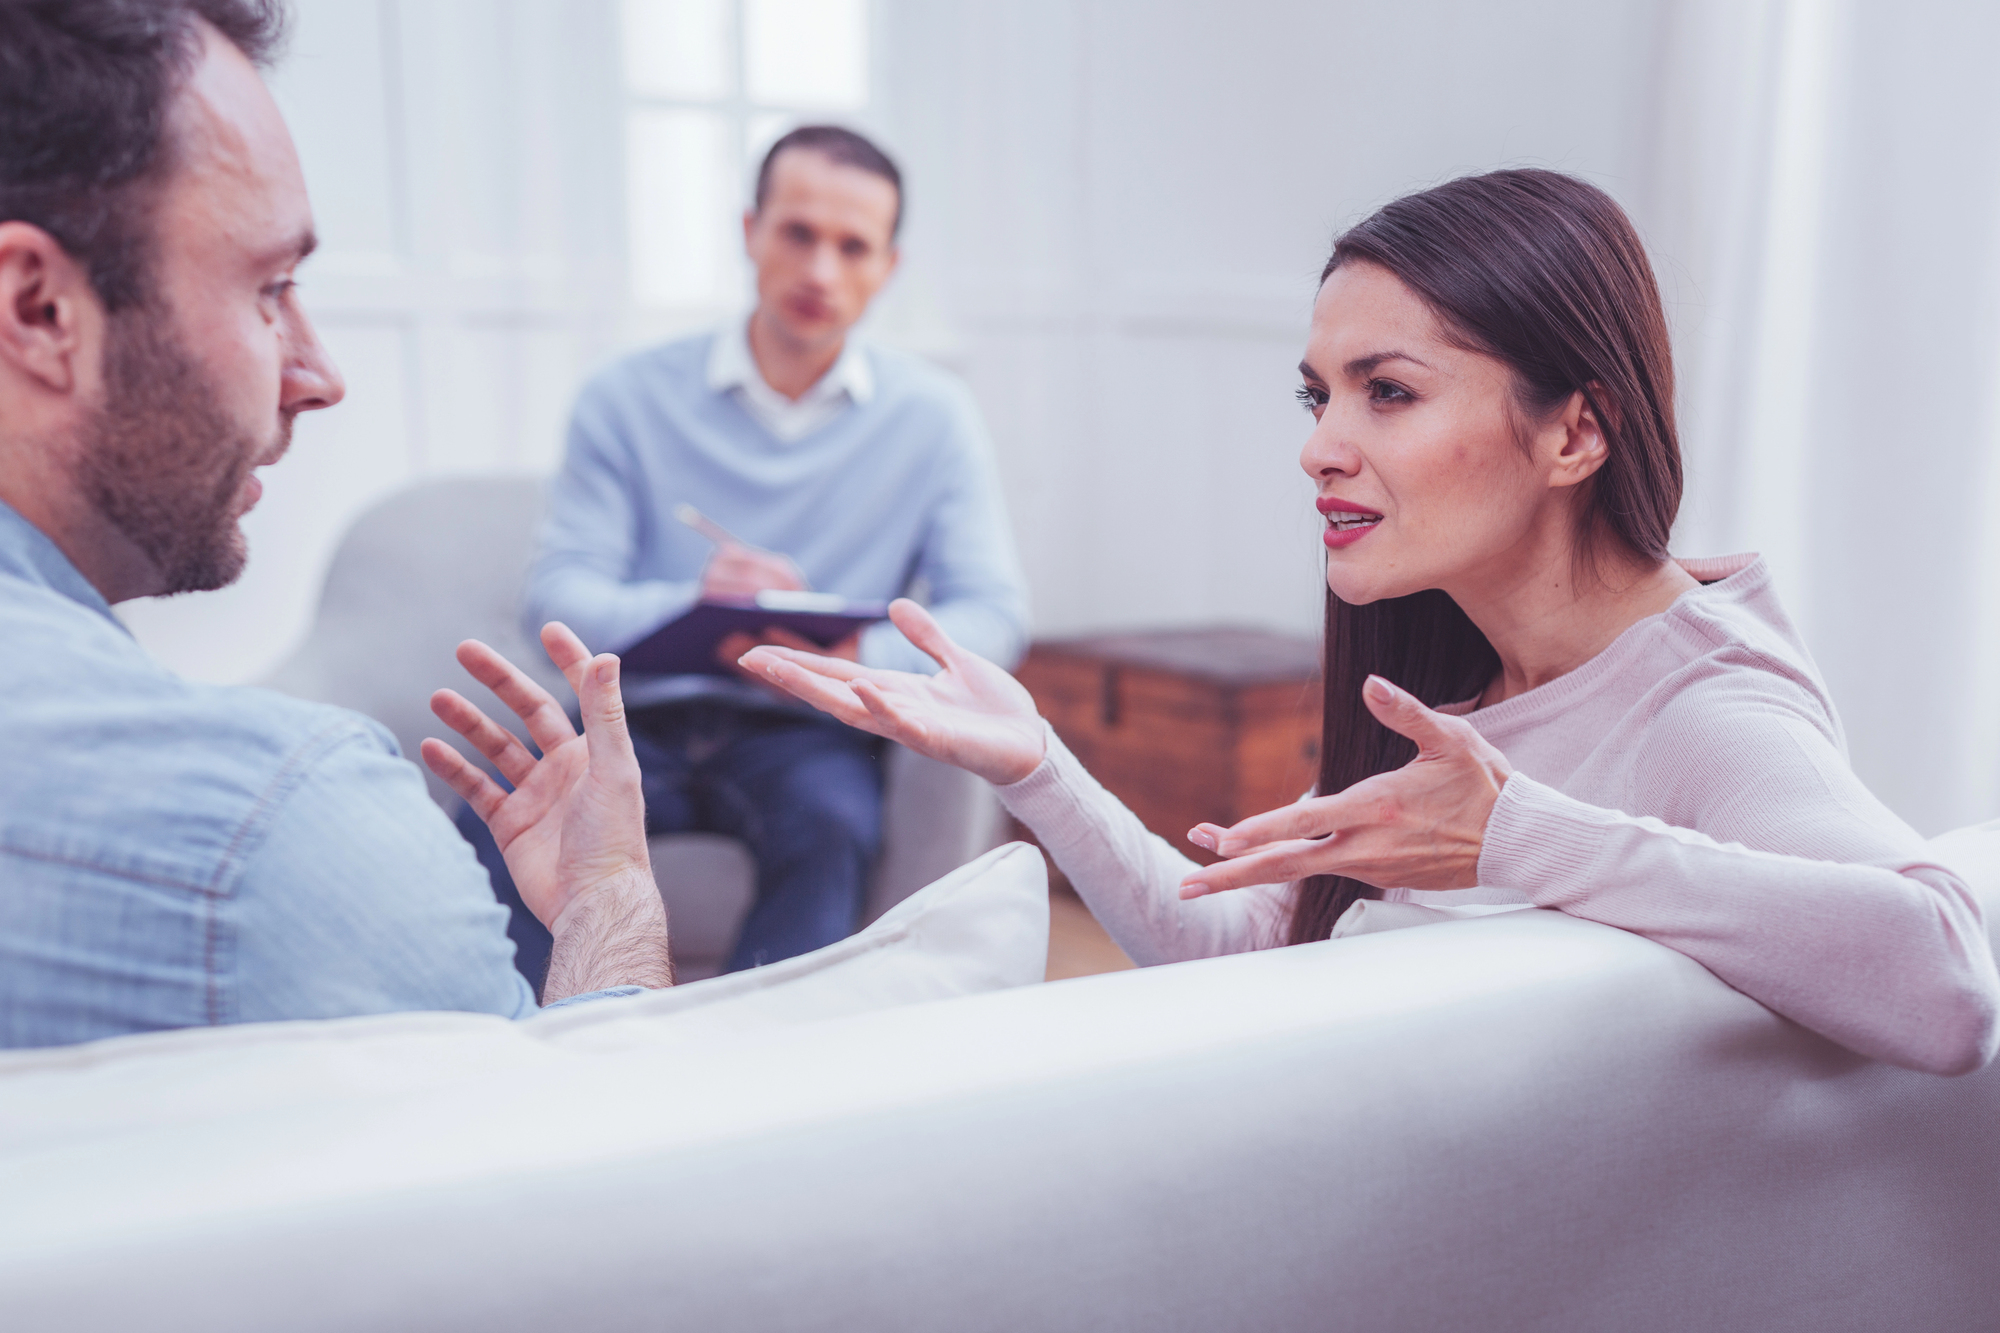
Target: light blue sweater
{"type": "Point", "coordinates": [893, 491]}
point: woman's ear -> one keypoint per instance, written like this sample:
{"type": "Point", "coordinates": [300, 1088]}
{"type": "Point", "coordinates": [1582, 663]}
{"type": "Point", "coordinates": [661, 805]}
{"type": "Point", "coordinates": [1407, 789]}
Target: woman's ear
{"type": "Point", "coordinates": [1584, 445]}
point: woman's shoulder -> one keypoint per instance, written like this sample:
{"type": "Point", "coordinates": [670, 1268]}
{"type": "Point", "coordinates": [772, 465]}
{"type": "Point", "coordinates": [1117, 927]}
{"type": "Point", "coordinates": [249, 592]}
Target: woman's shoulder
{"type": "Point", "coordinates": [1738, 657]}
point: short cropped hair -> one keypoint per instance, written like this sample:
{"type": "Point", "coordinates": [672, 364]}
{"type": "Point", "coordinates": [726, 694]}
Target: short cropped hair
{"type": "Point", "coordinates": [85, 88]}
{"type": "Point", "coordinates": [840, 145]}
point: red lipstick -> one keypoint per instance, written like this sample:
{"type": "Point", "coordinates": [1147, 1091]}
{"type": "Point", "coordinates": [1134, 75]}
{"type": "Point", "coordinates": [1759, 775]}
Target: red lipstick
{"type": "Point", "coordinates": [1346, 522]}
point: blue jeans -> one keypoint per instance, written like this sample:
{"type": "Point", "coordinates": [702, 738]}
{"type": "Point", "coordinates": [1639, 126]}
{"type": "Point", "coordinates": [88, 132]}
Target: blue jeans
{"type": "Point", "coordinates": [803, 794]}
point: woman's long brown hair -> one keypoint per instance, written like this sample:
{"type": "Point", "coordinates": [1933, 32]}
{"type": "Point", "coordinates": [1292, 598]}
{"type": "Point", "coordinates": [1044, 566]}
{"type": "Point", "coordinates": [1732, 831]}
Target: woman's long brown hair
{"type": "Point", "coordinates": [1544, 272]}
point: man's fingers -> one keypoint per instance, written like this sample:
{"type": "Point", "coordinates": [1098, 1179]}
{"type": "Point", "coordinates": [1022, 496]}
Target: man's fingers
{"type": "Point", "coordinates": [919, 628]}
{"type": "Point", "coordinates": [1279, 863]}
{"type": "Point", "coordinates": [487, 736]}
{"type": "Point", "coordinates": [604, 727]}
{"type": "Point", "coordinates": [548, 725]}
{"type": "Point", "coordinates": [559, 641]}
{"type": "Point", "coordinates": [480, 792]}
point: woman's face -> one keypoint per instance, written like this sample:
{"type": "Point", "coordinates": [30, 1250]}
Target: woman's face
{"type": "Point", "coordinates": [1417, 451]}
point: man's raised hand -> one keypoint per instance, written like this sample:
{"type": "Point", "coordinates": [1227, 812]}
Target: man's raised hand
{"type": "Point", "coordinates": [971, 713]}
{"type": "Point", "coordinates": [575, 823]}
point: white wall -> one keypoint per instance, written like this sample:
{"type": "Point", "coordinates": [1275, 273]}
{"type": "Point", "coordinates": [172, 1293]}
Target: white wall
{"type": "Point", "coordinates": [1126, 206]}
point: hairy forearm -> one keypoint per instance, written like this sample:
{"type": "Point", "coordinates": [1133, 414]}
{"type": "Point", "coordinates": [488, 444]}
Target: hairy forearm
{"type": "Point", "coordinates": [615, 936]}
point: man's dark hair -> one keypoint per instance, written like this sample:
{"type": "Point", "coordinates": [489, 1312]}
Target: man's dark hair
{"type": "Point", "coordinates": [840, 145]}
{"type": "Point", "coordinates": [85, 87]}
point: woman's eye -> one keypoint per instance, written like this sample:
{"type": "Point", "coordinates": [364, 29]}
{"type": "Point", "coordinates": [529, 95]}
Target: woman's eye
{"type": "Point", "coordinates": [1386, 391]}
{"type": "Point", "coordinates": [1310, 398]}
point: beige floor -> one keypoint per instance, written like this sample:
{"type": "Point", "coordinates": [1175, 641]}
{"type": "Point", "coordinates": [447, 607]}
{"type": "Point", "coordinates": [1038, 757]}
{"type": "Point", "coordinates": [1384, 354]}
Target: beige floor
{"type": "Point", "coordinates": [1078, 946]}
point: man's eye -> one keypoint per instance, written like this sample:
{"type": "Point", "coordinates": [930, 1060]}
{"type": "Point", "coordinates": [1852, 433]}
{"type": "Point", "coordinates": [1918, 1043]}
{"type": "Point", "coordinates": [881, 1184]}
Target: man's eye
{"type": "Point", "coordinates": [279, 290]}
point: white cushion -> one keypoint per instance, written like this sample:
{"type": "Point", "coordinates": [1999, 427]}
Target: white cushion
{"type": "Point", "coordinates": [983, 927]}
{"type": "Point", "coordinates": [1974, 852]}
{"type": "Point", "coordinates": [1370, 917]}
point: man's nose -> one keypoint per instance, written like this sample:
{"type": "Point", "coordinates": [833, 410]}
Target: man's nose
{"type": "Point", "coordinates": [824, 267]}
{"type": "Point", "coordinates": [311, 380]}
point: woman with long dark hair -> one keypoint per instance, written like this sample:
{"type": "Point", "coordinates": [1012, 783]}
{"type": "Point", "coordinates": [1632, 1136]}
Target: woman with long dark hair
{"type": "Point", "coordinates": [1527, 700]}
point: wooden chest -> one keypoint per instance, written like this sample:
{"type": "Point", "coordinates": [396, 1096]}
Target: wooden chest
{"type": "Point", "coordinates": [1186, 726]}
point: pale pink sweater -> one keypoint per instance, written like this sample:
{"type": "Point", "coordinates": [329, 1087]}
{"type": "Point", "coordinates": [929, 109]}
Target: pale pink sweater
{"type": "Point", "coordinates": [1690, 784]}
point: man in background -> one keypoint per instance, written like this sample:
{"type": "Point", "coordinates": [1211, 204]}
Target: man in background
{"type": "Point", "coordinates": [174, 854]}
{"type": "Point", "coordinates": [828, 463]}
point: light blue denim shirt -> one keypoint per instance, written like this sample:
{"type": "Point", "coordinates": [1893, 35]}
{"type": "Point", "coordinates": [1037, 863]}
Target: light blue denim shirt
{"type": "Point", "coordinates": [175, 854]}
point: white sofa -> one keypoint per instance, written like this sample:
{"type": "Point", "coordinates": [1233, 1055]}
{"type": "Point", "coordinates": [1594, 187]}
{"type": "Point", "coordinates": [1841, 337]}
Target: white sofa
{"type": "Point", "coordinates": [1520, 1122]}
{"type": "Point", "coordinates": [443, 561]}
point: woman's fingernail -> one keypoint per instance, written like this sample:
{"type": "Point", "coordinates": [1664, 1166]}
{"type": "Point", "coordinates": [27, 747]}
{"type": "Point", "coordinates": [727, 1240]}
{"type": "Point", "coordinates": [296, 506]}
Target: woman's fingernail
{"type": "Point", "coordinates": [607, 671]}
{"type": "Point", "coordinates": [1381, 691]}
{"type": "Point", "coordinates": [1205, 841]}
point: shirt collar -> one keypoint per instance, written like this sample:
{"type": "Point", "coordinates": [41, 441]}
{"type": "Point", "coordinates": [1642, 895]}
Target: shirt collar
{"type": "Point", "coordinates": [27, 553]}
{"type": "Point", "coordinates": [731, 366]}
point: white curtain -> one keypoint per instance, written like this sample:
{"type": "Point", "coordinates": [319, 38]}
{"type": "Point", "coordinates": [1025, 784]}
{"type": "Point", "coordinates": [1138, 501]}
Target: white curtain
{"type": "Point", "coordinates": [1826, 183]}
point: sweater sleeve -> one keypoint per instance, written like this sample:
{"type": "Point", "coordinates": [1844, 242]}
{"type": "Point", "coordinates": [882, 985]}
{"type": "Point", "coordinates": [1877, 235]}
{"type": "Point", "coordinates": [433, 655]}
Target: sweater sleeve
{"type": "Point", "coordinates": [590, 541]}
{"type": "Point", "coordinates": [978, 593]}
{"type": "Point", "coordinates": [1776, 869]}
{"type": "Point", "coordinates": [1130, 878]}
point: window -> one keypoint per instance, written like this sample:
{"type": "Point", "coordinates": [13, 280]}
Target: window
{"type": "Point", "coordinates": [711, 84]}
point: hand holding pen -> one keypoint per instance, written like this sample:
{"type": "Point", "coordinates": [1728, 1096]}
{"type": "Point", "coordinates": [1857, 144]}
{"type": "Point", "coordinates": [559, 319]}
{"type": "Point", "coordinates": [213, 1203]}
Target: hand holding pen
{"type": "Point", "coordinates": [738, 569]}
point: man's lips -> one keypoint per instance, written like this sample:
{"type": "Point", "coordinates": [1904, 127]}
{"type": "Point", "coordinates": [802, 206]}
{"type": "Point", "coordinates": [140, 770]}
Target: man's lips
{"type": "Point", "coordinates": [252, 489]}
{"type": "Point", "coordinates": [808, 308]}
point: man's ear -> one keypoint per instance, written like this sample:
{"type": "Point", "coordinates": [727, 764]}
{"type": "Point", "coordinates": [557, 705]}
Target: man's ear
{"type": "Point", "coordinates": [46, 302]}
{"type": "Point", "coordinates": [1584, 445]}
{"type": "Point", "coordinates": [749, 226]}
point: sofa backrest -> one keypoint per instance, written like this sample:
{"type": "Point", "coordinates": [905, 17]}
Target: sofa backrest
{"type": "Point", "coordinates": [1521, 1122]}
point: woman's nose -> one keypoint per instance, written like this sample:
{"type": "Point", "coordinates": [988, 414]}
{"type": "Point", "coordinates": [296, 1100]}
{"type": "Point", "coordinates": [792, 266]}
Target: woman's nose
{"type": "Point", "coordinates": [1328, 451]}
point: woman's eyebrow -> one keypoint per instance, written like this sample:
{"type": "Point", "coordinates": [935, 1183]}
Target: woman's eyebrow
{"type": "Point", "coordinates": [1306, 370]}
{"type": "Point", "coordinates": [1361, 365]}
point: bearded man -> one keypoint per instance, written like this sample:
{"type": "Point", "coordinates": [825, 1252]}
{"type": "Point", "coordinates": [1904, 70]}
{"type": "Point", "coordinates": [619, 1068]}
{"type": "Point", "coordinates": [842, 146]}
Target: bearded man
{"type": "Point", "coordinates": [175, 854]}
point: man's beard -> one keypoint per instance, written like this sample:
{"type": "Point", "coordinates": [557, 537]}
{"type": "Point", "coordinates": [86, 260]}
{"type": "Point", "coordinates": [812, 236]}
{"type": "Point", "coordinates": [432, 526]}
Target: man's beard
{"type": "Point", "coordinates": [162, 463]}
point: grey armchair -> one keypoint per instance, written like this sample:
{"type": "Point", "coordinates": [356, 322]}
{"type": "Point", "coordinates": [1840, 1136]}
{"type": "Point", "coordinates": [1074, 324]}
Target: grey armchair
{"type": "Point", "coordinates": [443, 561]}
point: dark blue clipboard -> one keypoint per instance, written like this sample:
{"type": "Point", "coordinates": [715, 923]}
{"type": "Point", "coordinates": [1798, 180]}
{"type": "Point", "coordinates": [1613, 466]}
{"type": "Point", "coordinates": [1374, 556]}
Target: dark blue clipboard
{"type": "Point", "coordinates": [685, 646]}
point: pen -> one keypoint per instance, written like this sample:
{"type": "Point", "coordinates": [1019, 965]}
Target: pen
{"type": "Point", "coordinates": [706, 526]}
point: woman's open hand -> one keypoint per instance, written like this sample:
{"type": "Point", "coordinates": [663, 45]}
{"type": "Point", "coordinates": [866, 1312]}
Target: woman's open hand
{"type": "Point", "coordinates": [1420, 827]}
{"type": "Point", "coordinates": [971, 713]}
